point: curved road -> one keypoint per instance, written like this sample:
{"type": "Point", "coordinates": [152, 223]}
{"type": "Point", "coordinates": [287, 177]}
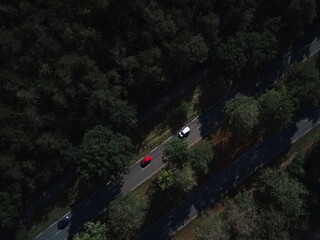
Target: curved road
{"type": "Point", "coordinates": [200, 126]}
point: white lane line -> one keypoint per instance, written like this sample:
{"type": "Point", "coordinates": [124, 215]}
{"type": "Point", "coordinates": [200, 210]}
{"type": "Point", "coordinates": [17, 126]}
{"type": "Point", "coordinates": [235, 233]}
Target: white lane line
{"type": "Point", "coordinates": [195, 141]}
{"type": "Point", "coordinates": [154, 149]}
{"type": "Point", "coordinates": [39, 234]}
{"type": "Point", "coordinates": [307, 131]}
{"type": "Point", "coordinates": [139, 160]}
{"type": "Point", "coordinates": [148, 177]}
{"type": "Point", "coordinates": [166, 140]}
{"type": "Point", "coordinates": [194, 119]}
{"type": "Point", "coordinates": [145, 167]}
{"type": "Point", "coordinates": [52, 224]}
{"type": "Point", "coordinates": [57, 233]}
{"type": "Point", "coordinates": [67, 213]}
{"type": "Point", "coordinates": [108, 183]}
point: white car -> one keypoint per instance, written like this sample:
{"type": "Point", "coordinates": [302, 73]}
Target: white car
{"type": "Point", "coordinates": [184, 132]}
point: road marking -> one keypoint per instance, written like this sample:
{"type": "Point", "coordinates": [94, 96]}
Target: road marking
{"type": "Point", "coordinates": [148, 177]}
{"type": "Point", "coordinates": [197, 140]}
{"type": "Point", "coordinates": [67, 214]}
{"type": "Point", "coordinates": [52, 224]}
{"type": "Point", "coordinates": [57, 233]}
{"type": "Point", "coordinates": [39, 234]}
{"type": "Point", "coordinates": [194, 119]}
{"type": "Point", "coordinates": [166, 140]}
{"type": "Point", "coordinates": [145, 167]}
{"type": "Point", "coordinates": [154, 149]}
{"type": "Point", "coordinates": [108, 183]}
{"type": "Point", "coordinates": [307, 131]}
{"type": "Point", "coordinates": [139, 160]}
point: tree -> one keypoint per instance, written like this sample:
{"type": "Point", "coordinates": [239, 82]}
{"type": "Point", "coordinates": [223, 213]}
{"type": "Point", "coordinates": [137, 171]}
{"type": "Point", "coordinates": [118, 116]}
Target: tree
{"type": "Point", "coordinates": [303, 82]}
{"type": "Point", "coordinates": [11, 201]}
{"type": "Point", "coordinates": [276, 109]}
{"type": "Point", "coordinates": [194, 50]}
{"type": "Point", "coordinates": [275, 187]}
{"type": "Point", "coordinates": [242, 114]}
{"type": "Point", "coordinates": [239, 16]}
{"type": "Point", "coordinates": [184, 179]}
{"type": "Point", "coordinates": [244, 51]}
{"type": "Point", "coordinates": [201, 156]}
{"type": "Point", "coordinates": [176, 152]}
{"type": "Point", "coordinates": [241, 216]}
{"type": "Point", "coordinates": [165, 180]}
{"type": "Point", "coordinates": [159, 22]}
{"type": "Point", "coordinates": [271, 225]}
{"type": "Point", "coordinates": [211, 227]}
{"type": "Point", "coordinates": [208, 26]}
{"type": "Point", "coordinates": [126, 214]}
{"type": "Point", "coordinates": [298, 15]}
{"type": "Point", "coordinates": [104, 155]}
{"type": "Point", "coordinates": [123, 116]}
{"type": "Point", "coordinates": [187, 51]}
{"type": "Point", "coordinates": [93, 231]}
{"type": "Point", "coordinates": [296, 168]}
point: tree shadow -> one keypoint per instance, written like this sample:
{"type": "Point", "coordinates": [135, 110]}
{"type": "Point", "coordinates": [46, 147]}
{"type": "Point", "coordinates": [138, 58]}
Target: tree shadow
{"type": "Point", "coordinates": [168, 223]}
{"type": "Point", "coordinates": [93, 206]}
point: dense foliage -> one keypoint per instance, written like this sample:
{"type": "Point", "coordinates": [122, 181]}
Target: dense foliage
{"type": "Point", "coordinates": [275, 109]}
{"type": "Point", "coordinates": [67, 66]}
{"type": "Point", "coordinates": [93, 231]}
{"type": "Point", "coordinates": [275, 205]}
{"type": "Point", "coordinates": [126, 214]}
{"type": "Point", "coordinates": [242, 114]}
{"type": "Point", "coordinates": [104, 155]}
{"type": "Point", "coordinates": [185, 165]}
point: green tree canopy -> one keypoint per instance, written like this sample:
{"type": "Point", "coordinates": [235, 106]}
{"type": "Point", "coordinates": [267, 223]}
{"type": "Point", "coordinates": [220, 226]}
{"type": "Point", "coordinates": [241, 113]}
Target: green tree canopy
{"type": "Point", "coordinates": [271, 224]}
{"type": "Point", "coordinates": [93, 231]}
{"type": "Point", "coordinates": [244, 51]}
{"type": "Point", "coordinates": [211, 226]}
{"type": "Point", "coordinates": [201, 156]}
{"type": "Point", "coordinates": [176, 152]}
{"type": "Point", "coordinates": [300, 13]}
{"type": "Point", "coordinates": [184, 179]}
{"type": "Point", "coordinates": [275, 187]}
{"type": "Point", "coordinates": [242, 114]}
{"type": "Point", "coordinates": [104, 155]}
{"type": "Point", "coordinates": [126, 214]}
{"type": "Point", "coordinates": [165, 179]}
{"type": "Point", "coordinates": [304, 82]}
{"type": "Point", "coordinates": [241, 216]}
{"type": "Point", "coordinates": [276, 109]}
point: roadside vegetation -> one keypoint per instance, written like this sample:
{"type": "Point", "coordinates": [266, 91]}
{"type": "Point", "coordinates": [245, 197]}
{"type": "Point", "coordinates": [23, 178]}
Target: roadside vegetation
{"type": "Point", "coordinates": [76, 75]}
{"type": "Point", "coordinates": [277, 200]}
{"type": "Point", "coordinates": [280, 202]}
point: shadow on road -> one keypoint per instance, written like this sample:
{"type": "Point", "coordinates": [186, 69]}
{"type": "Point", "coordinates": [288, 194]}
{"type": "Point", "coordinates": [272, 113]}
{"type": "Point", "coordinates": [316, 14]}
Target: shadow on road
{"type": "Point", "coordinates": [93, 206]}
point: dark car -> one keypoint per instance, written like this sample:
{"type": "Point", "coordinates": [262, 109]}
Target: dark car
{"type": "Point", "coordinates": [145, 161]}
{"type": "Point", "coordinates": [64, 222]}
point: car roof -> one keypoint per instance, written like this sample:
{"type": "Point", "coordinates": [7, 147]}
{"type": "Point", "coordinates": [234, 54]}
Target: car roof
{"type": "Point", "coordinates": [186, 129]}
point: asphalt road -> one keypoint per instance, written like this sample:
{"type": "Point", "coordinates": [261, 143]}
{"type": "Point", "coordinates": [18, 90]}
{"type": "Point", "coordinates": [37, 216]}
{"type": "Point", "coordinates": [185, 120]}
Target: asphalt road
{"type": "Point", "coordinates": [228, 179]}
{"type": "Point", "coordinates": [200, 126]}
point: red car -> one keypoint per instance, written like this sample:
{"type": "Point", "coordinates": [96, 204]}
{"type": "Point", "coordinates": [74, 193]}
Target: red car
{"type": "Point", "coordinates": [145, 161]}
